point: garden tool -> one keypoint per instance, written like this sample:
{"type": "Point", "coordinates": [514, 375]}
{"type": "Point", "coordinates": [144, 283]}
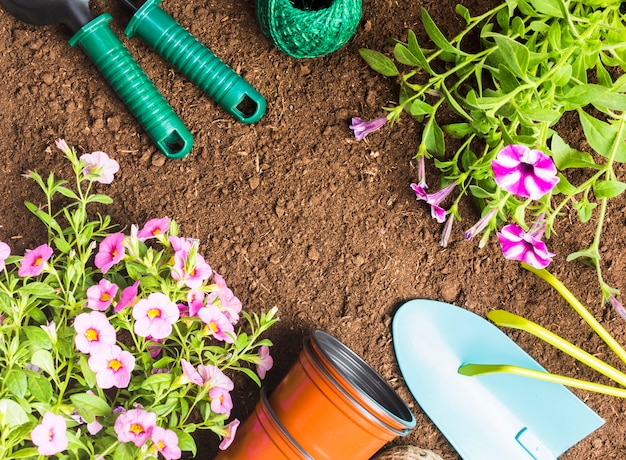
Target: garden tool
{"type": "Point", "coordinates": [194, 60]}
{"type": "Point", "coordinates": [115, 62]}
{"type": "Point", "coordinates": [487, 417]}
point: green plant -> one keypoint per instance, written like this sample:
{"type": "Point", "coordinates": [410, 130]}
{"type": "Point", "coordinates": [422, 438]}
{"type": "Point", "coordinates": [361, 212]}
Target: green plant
{"type": "Point", "coordinates": [537, 60]}
{"type": "Point", "coordinates": [116, 345]}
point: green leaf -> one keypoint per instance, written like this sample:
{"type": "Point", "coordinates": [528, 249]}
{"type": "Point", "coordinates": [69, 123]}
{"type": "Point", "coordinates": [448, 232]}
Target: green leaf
{"type": "Point", "coordinates": [62, 245]}
{"type": "Point", "coordinates": [37, 289]}
{"type": "Point", "coordinates": [88, 374]}
{"type": "Point", "coordinates": [40, 387]}
{"type": "Point", "coordinates": [419, 108]}
{"type": "Point", "coordinates": [457, 130]}
{"type": "Point", "coordinates": [157, 382]}
{"type": "Point", "coordinates": [379, 62]}
{"type": "Point", "coordinates": [416, 51]}
{"type": "Point", "coordinates": [547, 7]}
{"type": "Point", "coordinates": [608, 188]}
{"type": "Point", "coordinates": [37, 337]}
{"type": "Point", "coordinates": [602, 136]}
{"type": "Point", "coordinates": [585, 253]}
{"type": "Point", "coordinates": [508, 81]}
{"type": "Point", "coordinates": [404, 56]}
{"type": "Point", "coordinates": [16, 383]}
{"type": "Point", "coordinates": [478, 192]}
{"type": "Point", "coordinates": [67, 192]}
{"type": "Point", "coordinates": [565, 157]}
{"type": "Point", "coordinates": [585, 210]}
{"type": "Point", "coordinates": [90, 406]}
{"type": "Point", "coordinates": [582, 95]}
{"type": "Point", "coordinates": [12, 414]}
{"type": "Point", "coordinates": [29, 452]}
{"type": "Point", "coordinates": [125, 451]}
{"type": "Point", "coordinates": [563, 186]}
{"type": "Point", "coordinates": [463, 12]}
{"type": "Point", "coordinates": [436, 36]}
{"type": "Point", "coordinates": [98, 198]}
{"type": "Point", "coordinates": [562, 76]}
{"type": "Point", "coordinates": [433, 138]}
{"type": "Point", "coordinates": [186, 442]}
{"type": "Point", "coordinates": [515, 55]}
{"type": "Point", "coordinates": [44, 360]}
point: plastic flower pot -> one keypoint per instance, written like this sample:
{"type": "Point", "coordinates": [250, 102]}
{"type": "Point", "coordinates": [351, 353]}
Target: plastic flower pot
{"type": "Point", "coordinates": [335, 405]}
{"type": "Point", "coordinates": [262, 437]}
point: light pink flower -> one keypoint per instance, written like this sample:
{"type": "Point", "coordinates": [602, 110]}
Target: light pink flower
{"type": "Point", "coordinates": [5, 252]}
{"type": "Point", "coordinates": [190, 375]}
{"type": "Point", "coordinates": [524, 246]}
{"type": "Point", "coordinates": [217, 323]}
{"type": "Point", "coordinates": [166, 443]}
{"type": "Point", "coordinates": [447, 230]}
{"type": "Point", "coordinates": [110, 252]}
{"type": "Point", "coordinates": [231, 430]}
{"type": "Point", "coordinates": [434, 199]}
{"type": "Point", "coordinates": [127, 297]}
{"type": "Point", "coordinates": [94, 427]}
{"type": "Point", "coordinates": [135, 426]}
{"type": "Point", "coordinates": [93, 330]}
{"type": "Point", "coordinates": [362, 128]}
{"type": "Point", "coordinates": [214, 377]}
{"type": "Point", "coordinates": [192, 273]}
{"type": "Point", "coordinates": [264, 362]}
{"type": "Point", "coordinates": [154, 228]}
{"type": "Point", "coordinates": [62, 146]}
{"type": "Point", "coordinates": [524, 172]}
{"type": "Point", "coordinates": [100, 296]}
{"type": "Point", "coordinates": [616, 304]}
{"type": "Point", "coordinates": [228, 303]}
{"type": "Point", "coordinates": [50, 435]}
{"type": "Point", "coordinates": [35, 260]}
{"type": "Point", "coordinates": [155, 315]}
{"type": "Point", "coordinates": [221, 401]}
{"type": "Point", "coordinates": [481, 224]}
{"type": "Point", "coordinates": [180, 244]}
{"type": "Point", "coordinates": [112, 366]}
{"type": "Point", "coordinates": [101, 166]}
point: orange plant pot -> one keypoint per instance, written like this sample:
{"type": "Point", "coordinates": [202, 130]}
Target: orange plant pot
{"type": "Point", "coordinates": [337, 407]}
{"type": "Point", "coordinates": [262, 437]}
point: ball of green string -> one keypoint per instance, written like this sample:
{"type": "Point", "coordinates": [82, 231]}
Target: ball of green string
{"type": "Point", "coordinates": [308, 28]}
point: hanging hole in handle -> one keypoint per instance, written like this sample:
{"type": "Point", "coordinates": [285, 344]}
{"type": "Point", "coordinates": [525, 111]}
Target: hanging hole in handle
{"type": "Point", "coordinates": [247, 106]}
{"type": "Point", "coordinates": [311, 5]}
{"type": "Point", "coordinates": [175, 146]}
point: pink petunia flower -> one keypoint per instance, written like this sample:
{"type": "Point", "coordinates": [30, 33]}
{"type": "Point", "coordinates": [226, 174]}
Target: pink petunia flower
{"type": "Point", "coordinates": [155, 315]}
{"type": "Point", "coordinates": [480, 225]}
{"type": "Point", "coordinates": [524, 172]}
{"type": "Point", "coordinates": [110, 252]}
{"type": "Point", "coordinates": [154, 228]}
{"type": "Point", "coordinates": [166, 443]}
{"type": "Point", "coordinates": [127, 297]}
{"type": "Point", "coordinates": [93, 330]}
{"type": "Point", "coordinates": [35, 260]}
{"type": "Point", "coordinates": [228, 303]}
{"type": "Point", "coordinates": [135, 426]}
{"type": "Point", "coordinates": [50, 435]}
{"type": "Point", "coordinates": [524, 246]}
{"type": "Point", "coordinates": [5, 252]}
{"type": "Point", "coordinates": [362, 128]}
{"type": "Point", "coordinates": [101, 166]}
{"type": "Point", "coordinates": [214, 377]}
{"type": "Point", "coordinates": [231, 430]}
{"type": "Point", "coordinates": [217, 323]}
{"type": "Point", "coordinates": [434, 199]}
{"type": "Point", "coordinates": [100, 296]}
{"type": "Point", "coordinates": [112, 366]}
{"type": "Point", "coordinates": [264, 362]}
{"type": "Point", "coordinates": [221, 401]}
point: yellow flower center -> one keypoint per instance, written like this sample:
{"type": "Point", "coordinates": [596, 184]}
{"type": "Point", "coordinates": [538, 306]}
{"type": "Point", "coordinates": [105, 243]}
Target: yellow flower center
{"type": "Point", "coordinates": [38, 261]}
{"type": "Point", "coordinates": [213, 326]}
{"type": "Point", "coordinates": [154, 313]}
{"type": "Point", "coordinates": [91, 335]}
{"type": "Point", "coordinates": [136, 428]}
{"type": "Point", "coordinates": [115, 364]}
{"type": "Point", "coordinates": [105, 297]}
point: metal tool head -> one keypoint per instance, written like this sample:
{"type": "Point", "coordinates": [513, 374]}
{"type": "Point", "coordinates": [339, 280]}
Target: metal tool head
{"type": "Point", "coordinates": [72, 13]}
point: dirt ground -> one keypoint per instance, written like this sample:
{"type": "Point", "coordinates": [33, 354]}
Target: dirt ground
{"type": "Point", "coordinates": [292, 210]}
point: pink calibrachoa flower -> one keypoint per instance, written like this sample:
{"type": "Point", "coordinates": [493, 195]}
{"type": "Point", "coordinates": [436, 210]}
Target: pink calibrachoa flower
{"type": "Point", "coordinates": [112, 366]}
{"type": "Point", "coordinates": [100, 296]}
{"type": "Point", "coordinates": [524, 246]}
{"type": "Point", "coordinates": [5, 252]}
{"type": "Point", "coordinates": [221, 401]}
{"type": "Point", "coordinates": [190, 374]}
{"type": "Point", "coordinates": [50, 435]}
{"type": "Point", "coordinates": [127, 297]}
{"type": "Point", "coordinates": [154, 228]}
{"type": "Point", "coordinates": [214, 377]}
{"type": "Point", "coordinates": [362, 128]}
{"type": "Point", "coordinates": [166, 443]}
{"type": "Point", "coordinates": [229, 304]}
{"type": "Point", "coordinates": [155, 315]}
{"type": "Point", "coordinates": [110, 252]}
{"type": "Point", "coordinates": [135, 426]}
{"type": "Point", "coordinates": [217, 323]}
{"type": "Point", "coordinates": [434, 199]}
{"type": "Point", "coordinates": [35, 260]}
{"type": "Point", "coordinates": [99, 164]}
{"type": "Point", "coordinates": [180, 244]}
{"type": "Point", "coordinates": [194, 277]}
{"type": "Point", "coordinates": [229, 437]}
{"type": "Point", "coordinates": [524, 172]}
{"type": "Point", "coordinates": [62, 146]}
{"type": "Point", "coordinates": [93, 330]}
{"type": "Point", "coordinates": [264, 362]}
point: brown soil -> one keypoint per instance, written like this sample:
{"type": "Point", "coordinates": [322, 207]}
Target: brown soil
{"type": "Point", "coordinates": [292, 210]}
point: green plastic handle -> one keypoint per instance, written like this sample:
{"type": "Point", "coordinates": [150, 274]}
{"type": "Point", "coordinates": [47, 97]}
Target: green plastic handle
{"type": "Point", "coordinates": [198, 63]}
{"type": "Point", "coordinates": [133, 86]}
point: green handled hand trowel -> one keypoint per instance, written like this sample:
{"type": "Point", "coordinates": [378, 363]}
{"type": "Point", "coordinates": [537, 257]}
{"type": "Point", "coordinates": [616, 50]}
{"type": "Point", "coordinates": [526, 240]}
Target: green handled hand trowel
{"type": "Point", "coordinates": [198, 63]}
{"type": "Point", "coordinates": [114, 61]}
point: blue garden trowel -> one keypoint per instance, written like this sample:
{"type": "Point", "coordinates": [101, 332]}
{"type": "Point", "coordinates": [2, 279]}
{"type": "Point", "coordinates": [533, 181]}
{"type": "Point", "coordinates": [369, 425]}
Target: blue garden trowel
{"type": "Point", "coordinates": [488, 417]}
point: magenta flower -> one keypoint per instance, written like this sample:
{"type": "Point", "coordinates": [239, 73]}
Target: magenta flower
{"type": "Point", "coordinates": [112, 366]}
{"type": "Point", "coordinates": [154, 228]}
{"type": "Point", "coordinates": [135, 426]}
{"type": "Point", "coordinates": [434, 199]}
{"type": "Point", "coordinates": [110, 252]}
{"type": "Point", "coordinates": [524, 172]}
{"type": "Point", "coordinates": [180, 244]}
{"type": "Point", "coordinates": [5, 252]}
{"type": "Point", "coordinates": [264, 362]}
{"type": "Point", "coordinates": [217, 323]}
{"type": "Point", "coordinates": [214, 377]}
{"type": "Point", "coordinates": [524, 246]}
{"type": "Point", "coordinates": [100, 166]}
{"type": "Point", "coordinates": [229, 437]}
{"type": "Point", "coordinates": [190, 375]}
{"type": "Point", "coordinates": [92, 331]}
{"type": "Point", "coordinates": [480, 225]}
{"type": "Point", "coordinates": [228, 303]}
{"type": "Point", "coordinates": [166, 443]}
{"type": "Point", "coordinates": [362, 128]}
{"type": "Point", "coordinates": [100, 296]}
{"type": "Point", "coordinates": [155, 315]}
{"type": "Point", "coordinates": [35, 260]}
{"type": "Point", "coordinates": [50, 435]}
{"type": "Point", "coordinates": [127, 297]}
{"type": "Point", "coordinates": [192, 273]}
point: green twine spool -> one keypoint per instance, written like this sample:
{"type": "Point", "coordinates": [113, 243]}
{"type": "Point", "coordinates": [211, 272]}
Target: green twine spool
{"type": "Point", "coordinates": [310, 29]}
